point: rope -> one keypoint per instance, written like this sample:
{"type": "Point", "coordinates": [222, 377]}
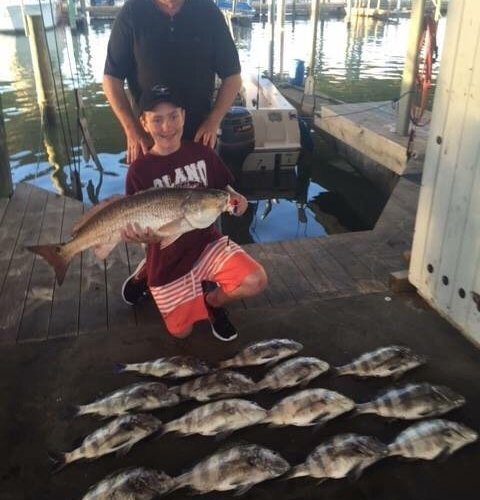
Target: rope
{"type": "Point", "coordinates": [391, 102]}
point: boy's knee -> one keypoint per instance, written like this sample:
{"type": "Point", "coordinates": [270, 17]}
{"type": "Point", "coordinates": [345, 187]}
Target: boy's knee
{"type": "Point", "coordinates": [257, 281]}
{"type": "Point", "coordinates": [181, 334]}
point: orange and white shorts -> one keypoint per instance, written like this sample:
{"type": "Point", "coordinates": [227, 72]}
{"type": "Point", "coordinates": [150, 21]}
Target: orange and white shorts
{"type": "Point", "coordinates": [181, 302]}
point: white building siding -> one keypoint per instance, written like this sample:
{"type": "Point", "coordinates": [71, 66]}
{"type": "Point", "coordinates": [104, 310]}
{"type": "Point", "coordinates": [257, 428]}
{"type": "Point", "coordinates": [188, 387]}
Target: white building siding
{"type": "Point", "coordinates": [445, 264]}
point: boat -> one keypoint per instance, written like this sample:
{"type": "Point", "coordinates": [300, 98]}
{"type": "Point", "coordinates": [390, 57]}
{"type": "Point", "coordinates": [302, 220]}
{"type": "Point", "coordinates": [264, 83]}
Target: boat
{"type": "Point", "coordinates": [12, 13]}
{"type": "Point", "coordinates": [260, 139]}
{"type": "Point", "coordinates": [239, 10]}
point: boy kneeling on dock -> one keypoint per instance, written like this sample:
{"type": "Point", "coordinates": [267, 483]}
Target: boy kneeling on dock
{"type": "Point", "coordinates": [192, 277]}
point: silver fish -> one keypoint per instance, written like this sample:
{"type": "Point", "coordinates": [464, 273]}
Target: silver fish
{"type": "Point", "coordinates": [413, 401]}
{"type": "Point", "coordinates": [383, 362]}
{"type": "Point", "coordinates": [431, 439]}
{"type": "Point", "coordinates": [169, 212]}
{"type": "Point", "coordinates": [216, 385]}
{"type": "Point", "coordinates": [295, 371]}
{"type": "Point", "coordinates": [341, 456]}
{"type": "Point", "coordinates": [218, 418]}
{"type": "Point", "coordinates": [238, 468]}
{"type": "Point", "coordinates": [119, 435]}
{"type": "Point", "coordinates": [265, 351]}
{"type": "Point", "coordinates": [174, 367]}
{"type": "Point", "coordinates": [131, 484]}
{"type": "Point", "coordinates": [309, 407]}
{"type": "Point", "coordinates": [143, 396]}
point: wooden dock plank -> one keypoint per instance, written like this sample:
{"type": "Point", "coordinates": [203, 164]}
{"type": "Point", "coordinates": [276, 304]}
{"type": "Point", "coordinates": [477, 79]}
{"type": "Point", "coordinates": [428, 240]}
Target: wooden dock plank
{"type": "Point", "coordinates": [361, 273]}
{"type": "Point", "coordinates": [14, 293]}
{"type": "Point", "coordinates": [66, 299]}
{"type": "Point", "coordinates": [93, 295]}
{"type": "Point", "coordinates": [277, 292]}
{"type": "Point", "coordinates": [38, 305]}
{"type": "Point", "coordinates": [340, 282]}
{"type": "Point", "coordinates": [3, 207]}
{"type": "Point", "coordinates": [119, 314]}
{"type": "Point", "coordinates": [294, 280]}
{"type": "Point", "coordinates": [10, 227]}
{"type": "Point", "coordinates": [306, 265]}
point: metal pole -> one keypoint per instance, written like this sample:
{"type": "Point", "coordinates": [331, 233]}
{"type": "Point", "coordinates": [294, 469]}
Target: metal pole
{"type": "Point", "coordinates": [6, 185]}
{"type": "Point", "coordinates": [83, 7]}
{"type": "Point", "coordinates": [41, 68]}
{"type": "Point", "coordinates": [410, 68]}
{"type": "Point", "coordinates": [272, 38]}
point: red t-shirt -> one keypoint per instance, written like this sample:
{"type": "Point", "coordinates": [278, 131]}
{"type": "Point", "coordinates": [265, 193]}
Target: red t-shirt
{"type": "Point", "coordinates": [194, 165]}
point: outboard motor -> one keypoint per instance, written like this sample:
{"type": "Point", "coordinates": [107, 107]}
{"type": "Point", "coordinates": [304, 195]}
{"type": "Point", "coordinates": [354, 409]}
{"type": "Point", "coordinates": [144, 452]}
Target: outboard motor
{"type": "Point", "coordinates": [237, 140]}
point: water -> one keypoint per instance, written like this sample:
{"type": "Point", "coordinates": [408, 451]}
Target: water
{"type": "Point", "coordinates": [363, 63]}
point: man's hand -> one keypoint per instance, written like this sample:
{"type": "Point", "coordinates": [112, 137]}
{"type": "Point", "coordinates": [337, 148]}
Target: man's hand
{"type": "Point", "coordinates": [138, 143]}
{"type": "Point", "coordinates": [134, 232]}
{"type": "Point", "coordinates": [207, 132]}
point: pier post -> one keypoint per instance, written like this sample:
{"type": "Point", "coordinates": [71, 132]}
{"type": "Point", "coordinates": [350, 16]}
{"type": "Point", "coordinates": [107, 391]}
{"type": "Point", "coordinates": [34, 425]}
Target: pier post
{"type": "Point", "coordinates": [41, 68]}
{"type": "Point", "coordinates": [272, 39]}
{"type": "Point", "coordinates": [83, 7]}
{"type": "Point", "coordinates": [410, 68]}
{"type": "Point", "coordinates": [309, 88]}
{"type": "Point", "coordinates": [349, 12]}
{"type": "Point", "coordinates": [72, 14]}
{"type": "Point", "coordinates": [6, 186]}
{"type": "Point", "coordinates": [281, 24]}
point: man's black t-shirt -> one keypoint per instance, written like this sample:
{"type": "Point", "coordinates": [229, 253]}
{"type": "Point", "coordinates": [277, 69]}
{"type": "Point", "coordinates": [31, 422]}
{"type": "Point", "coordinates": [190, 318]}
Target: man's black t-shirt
{"type": "Point", "coordinates": [148, 47]}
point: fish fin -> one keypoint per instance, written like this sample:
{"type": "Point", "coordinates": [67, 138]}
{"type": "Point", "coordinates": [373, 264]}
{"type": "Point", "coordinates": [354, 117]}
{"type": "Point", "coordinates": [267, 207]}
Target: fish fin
{"type": "Point", "coordinates": [171, 229]}
{"type": "Point", "coordinates": [443, 455]}
{"type": "Point", "coordinates": [220, 436]}
{"type": "Point", "coordinates": [355, 473]}
{"type": "Point", "coordinates": [322, 480]}
{"type": "Point", "coordinates": [93, 211]}
{"type": "Point", "coordinates": [57, 461]}
{"type": "Point", "coordinates": [165, 242]}
{"type": "Point", "coordinates": [124, 450]}
{"type": "Point", "coordinates": [71, 411]}
{"type": "Point", "coordinates": [103, 251]}
{"type": "Point", "coordinates": [320, 420]}
{"type": "Point", "coordinates": [53, 255]}
{"type": "Point", "coordinates": [304, 383]}
{"type": "Point", "coordinates": [271, 363]}
{"type": "Point", "coordinates": [243, 489]}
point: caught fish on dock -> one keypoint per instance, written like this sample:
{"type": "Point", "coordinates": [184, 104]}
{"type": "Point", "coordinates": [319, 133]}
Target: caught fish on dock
{"type": "Point", "coordinates": [238, 468]}
{"type": "Point", "coordinates": [413, 401]}
{"type": "Point", "coordinates": [431, 439]}
{"type": "Point", "coordinates": [341, 456]}
{"type": "Point", "coordinates": [295, 371]}
{"type": "Point", "coordinates": [383, 362]}
{"type": "Point", "coordinates": [169, 212]}
{"type": "Point", "coordinates": [173, 367]}
{"type": "Point", "coordinates": [135, 483]}
{"type": "Point", "coordinates": [263, 352]}
{"type": "Point", "coordinates": [220, 417]}
{"type": "Point", "coordinates": [119, 436]}
{"type": "Point", "coordinates": [309, 407]}
{"type": "Point", "coordinates": [143, 396]}
{"type": "Point", "coordinates": [216, 385]}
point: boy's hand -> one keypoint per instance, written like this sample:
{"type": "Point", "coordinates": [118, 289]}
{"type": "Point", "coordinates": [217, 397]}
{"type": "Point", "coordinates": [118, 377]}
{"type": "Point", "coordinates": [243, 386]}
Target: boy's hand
{"type": "Point", "coordinates": [134, 232]}
{"type": "Point", "coordinates": [238, 203]}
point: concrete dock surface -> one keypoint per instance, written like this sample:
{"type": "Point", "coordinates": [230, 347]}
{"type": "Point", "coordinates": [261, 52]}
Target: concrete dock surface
{"type": "Point", "coordinates": [38, 380]}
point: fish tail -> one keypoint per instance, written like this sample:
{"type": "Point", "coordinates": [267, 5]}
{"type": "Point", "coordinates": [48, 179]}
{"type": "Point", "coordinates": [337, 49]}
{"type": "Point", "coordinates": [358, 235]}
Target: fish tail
{"type": "Point", "coordinates": [54, 255]}
{"type": "Point", "coordinates": [72, 411]}
{"type": "Point", "coordinates": [180, 482]}
{"type": "Point", "coordinates": [58, 461]}
{"type": "Point", "coordinates": [120, 368]}
{"type": "Point", "coordinates": [298, 471]}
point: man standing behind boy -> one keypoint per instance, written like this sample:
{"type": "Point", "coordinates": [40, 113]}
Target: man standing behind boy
{"type": "Point", "coordinates": [181, 43]}
{"type": "Point", "coordinates": [181, 273]}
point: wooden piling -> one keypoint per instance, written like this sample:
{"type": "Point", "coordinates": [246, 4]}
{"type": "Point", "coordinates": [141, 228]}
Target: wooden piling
{"type": "Point", "coordinates": [6, 185]}
{"type": "Point", "coordinates": [44, 82]}
{"type": "Point", "coordinates": [272, 39]}
{"type": "Point", "coordinates": [410, 68]}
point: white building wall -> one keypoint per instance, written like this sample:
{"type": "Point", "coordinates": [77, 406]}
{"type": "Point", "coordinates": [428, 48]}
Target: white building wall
{"type": "Point", "coordinates": [445, 265]}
